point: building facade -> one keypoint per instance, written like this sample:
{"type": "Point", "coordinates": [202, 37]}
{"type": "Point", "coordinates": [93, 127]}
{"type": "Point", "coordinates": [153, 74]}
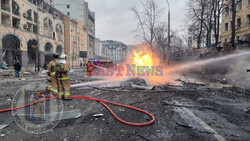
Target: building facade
{"type": "Point", "coordinates": [78, 9]}
{"type": "Point", "coordinates": [91, 34]}
{"type": "Point", "coordinates": [72, 8]}
{"type": "Point", "coordinates": [75, 41]}
{"type": "Point", "coordinates": [98, 48]}
{"type": "Point", "coordinates": [242, 22]}
{"type": "Point", "coordinates": [114, 50]}
{"type": "Point", "coordinates": [31, 31]}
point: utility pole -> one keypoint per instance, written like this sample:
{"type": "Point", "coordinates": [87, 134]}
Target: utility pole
{"type": "Point", "coordinates": [169, 38]}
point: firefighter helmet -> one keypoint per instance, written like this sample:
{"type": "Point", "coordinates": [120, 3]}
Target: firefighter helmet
{"type": "Point", "coordinates": [63, 56]}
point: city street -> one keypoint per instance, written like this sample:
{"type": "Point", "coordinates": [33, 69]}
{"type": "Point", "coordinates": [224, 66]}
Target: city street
{"type": "Point", "coordinates": [192, 110]}
{"type": "Point", "coordinates": [124, 70]}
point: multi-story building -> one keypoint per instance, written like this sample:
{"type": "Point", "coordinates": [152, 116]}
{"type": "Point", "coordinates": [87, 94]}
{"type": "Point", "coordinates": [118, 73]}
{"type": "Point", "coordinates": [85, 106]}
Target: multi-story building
{"type": "Point", "coordinates": [91, 34]}
{"type": "Point", "coordinates": [114, 50]}
{"type": "Point", "coordinates": [31, 30]}
{"type": "Point", "coordinates": [82, 37]}
{"type": "Point", "coordinates": [78, 9]}
{"type": "Point", "coordinates": [75, 41]}
{"type": "Point", "coordinates": [72, 8]}
{"type": "Point", "coordinates": [242, 22]}
{"type": "Point", "coordinates": [98, 48]}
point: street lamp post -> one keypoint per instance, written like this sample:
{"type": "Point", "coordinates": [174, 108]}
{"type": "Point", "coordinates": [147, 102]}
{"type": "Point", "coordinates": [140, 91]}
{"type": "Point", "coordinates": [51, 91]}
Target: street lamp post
{"type": "Point", "coordinates": [168, 52]}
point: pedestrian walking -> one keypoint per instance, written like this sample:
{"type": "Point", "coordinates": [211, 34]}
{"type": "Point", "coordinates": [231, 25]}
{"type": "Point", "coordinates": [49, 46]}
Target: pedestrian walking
{"type": "Point", "coordinates": [17, 68]}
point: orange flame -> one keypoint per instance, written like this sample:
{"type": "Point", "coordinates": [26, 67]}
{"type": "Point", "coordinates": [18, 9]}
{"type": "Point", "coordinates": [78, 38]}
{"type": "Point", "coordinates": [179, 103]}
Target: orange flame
{"type": "Point", "coordinates": [143, 58]}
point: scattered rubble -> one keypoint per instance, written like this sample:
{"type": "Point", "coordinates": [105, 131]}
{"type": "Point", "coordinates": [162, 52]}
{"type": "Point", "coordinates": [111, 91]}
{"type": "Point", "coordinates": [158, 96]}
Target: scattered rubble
{"type": "Point", "coordinates": [3, 126]}
{"type": "Point", "coordinates": [136, 84]}
{"type": "Point", "coordinates": [247, 110]}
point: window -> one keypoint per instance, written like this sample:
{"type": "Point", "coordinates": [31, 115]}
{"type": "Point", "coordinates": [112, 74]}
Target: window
{"type": "Point", "coordinates": [68, 6]}
{"type": "Point", "coordinates": [239, 22]}
{"type": "Point", "coordinates": [68, 13]}
{"type": "Point", "coordinates": [15, 8]}
{"type": "Point", "coordinates": [231, 25]}
{"type": "Point", "coordinates": [227, 11]}
{"type": "Point", "coordinates": [48, 23]}
{"type": "Point", "coordinates": [248, 19]}
{"type": "Point", "coordinates": [248, 2]}
{"type": "Point", "coordinates": [33, 1]}
{"type": "Point", "coordinates": [239, 5]}
{"type": "Point", "coordinates": [35, 17]}
{"type": "Point", "coordinates": [226, 26]}
{"type": "Point", "coordinates": [29, 12]}
{"type": "Point", "coordinates": [59, 29]}
{"type": "Point", "coordinates": [51, 11]}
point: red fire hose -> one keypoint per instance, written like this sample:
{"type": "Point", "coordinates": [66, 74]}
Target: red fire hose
{"type": "Point", "coordinates": [94, 99]}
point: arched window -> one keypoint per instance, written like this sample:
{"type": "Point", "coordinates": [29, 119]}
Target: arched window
{"type": "Point", "coordinates": [45, 22]}
{"type": "Point", "coordinates": [15, 8]}
{"type": "Point", "coordinates": [59, 29]}
{"type": "Point", "coordinates": [59, 49]}
{"type": "Point", "coordinates": [32, 49]}
{"type": "Point", "coordinates": [11, 49]}
{"type": "Point", "coordinates": [48, 48]}
{"type": "Point", "coordinates": [48, 23]}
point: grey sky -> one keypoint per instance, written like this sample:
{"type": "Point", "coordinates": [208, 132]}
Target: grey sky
{"type": "Point", "coordinates": [115, 20]}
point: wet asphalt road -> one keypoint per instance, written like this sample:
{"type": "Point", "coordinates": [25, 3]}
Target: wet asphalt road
{"type": "Point", "coordinates": [194, 112]}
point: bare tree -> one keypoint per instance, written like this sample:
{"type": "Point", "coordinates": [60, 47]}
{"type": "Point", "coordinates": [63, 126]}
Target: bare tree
{"type": "Point", "coordinates": [161, 41]}
{"type": "Point", "coordinates": [205, 14]}
{"type": "Point", "coordinates": [148, 20]}
{"type": "Point", "coordinates": [218, 9]}
{"type": "Point", "coordinates": [151, 29]}
{"type": "Point", "coordinates": [233, 5]}
{"type": "Point", "coordinates": [196, 10]}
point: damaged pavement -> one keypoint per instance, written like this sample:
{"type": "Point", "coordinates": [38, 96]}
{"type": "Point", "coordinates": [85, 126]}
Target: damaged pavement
{"type": "Point", "coordinates": [192, 109]}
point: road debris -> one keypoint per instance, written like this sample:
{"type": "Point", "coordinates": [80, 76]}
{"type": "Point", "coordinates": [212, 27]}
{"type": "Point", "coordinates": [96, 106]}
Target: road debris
{"type": "Point", "coordinates": [135, 83]}
{"type": "Point", "coordinates": [184, 125]}
{"type": "Point", "coordinates": [219, 125]}
{"type": "Point", "coordinates": [247, 110]}
{"type": "Point", "coordinates": [98, 115]}
{"type": "Point", "coordinates": [3, 126]}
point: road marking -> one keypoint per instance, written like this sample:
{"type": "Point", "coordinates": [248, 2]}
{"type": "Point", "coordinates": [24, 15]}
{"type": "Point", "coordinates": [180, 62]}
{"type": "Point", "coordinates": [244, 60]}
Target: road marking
{"type": "Point", "coordinates": [202, 123]}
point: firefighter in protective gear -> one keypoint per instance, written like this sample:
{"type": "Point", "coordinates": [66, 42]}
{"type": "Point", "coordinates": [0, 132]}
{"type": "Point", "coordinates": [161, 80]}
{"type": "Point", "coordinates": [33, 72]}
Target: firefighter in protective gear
{"type": "Point", "coordinates": [62, 73]}
{"type": "Point", "coordinates": [52, 80]}
{"type": "Point", "coordinates": [90, 68]}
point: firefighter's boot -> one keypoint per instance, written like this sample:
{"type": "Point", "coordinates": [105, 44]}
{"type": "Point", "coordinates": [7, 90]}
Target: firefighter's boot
{"type": "Point", "coordinates": [54, 84]}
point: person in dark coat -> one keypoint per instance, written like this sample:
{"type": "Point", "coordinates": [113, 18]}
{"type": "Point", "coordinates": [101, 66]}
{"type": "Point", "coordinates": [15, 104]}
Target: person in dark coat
{"type": "Point", "coordinates": [17, 68]}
